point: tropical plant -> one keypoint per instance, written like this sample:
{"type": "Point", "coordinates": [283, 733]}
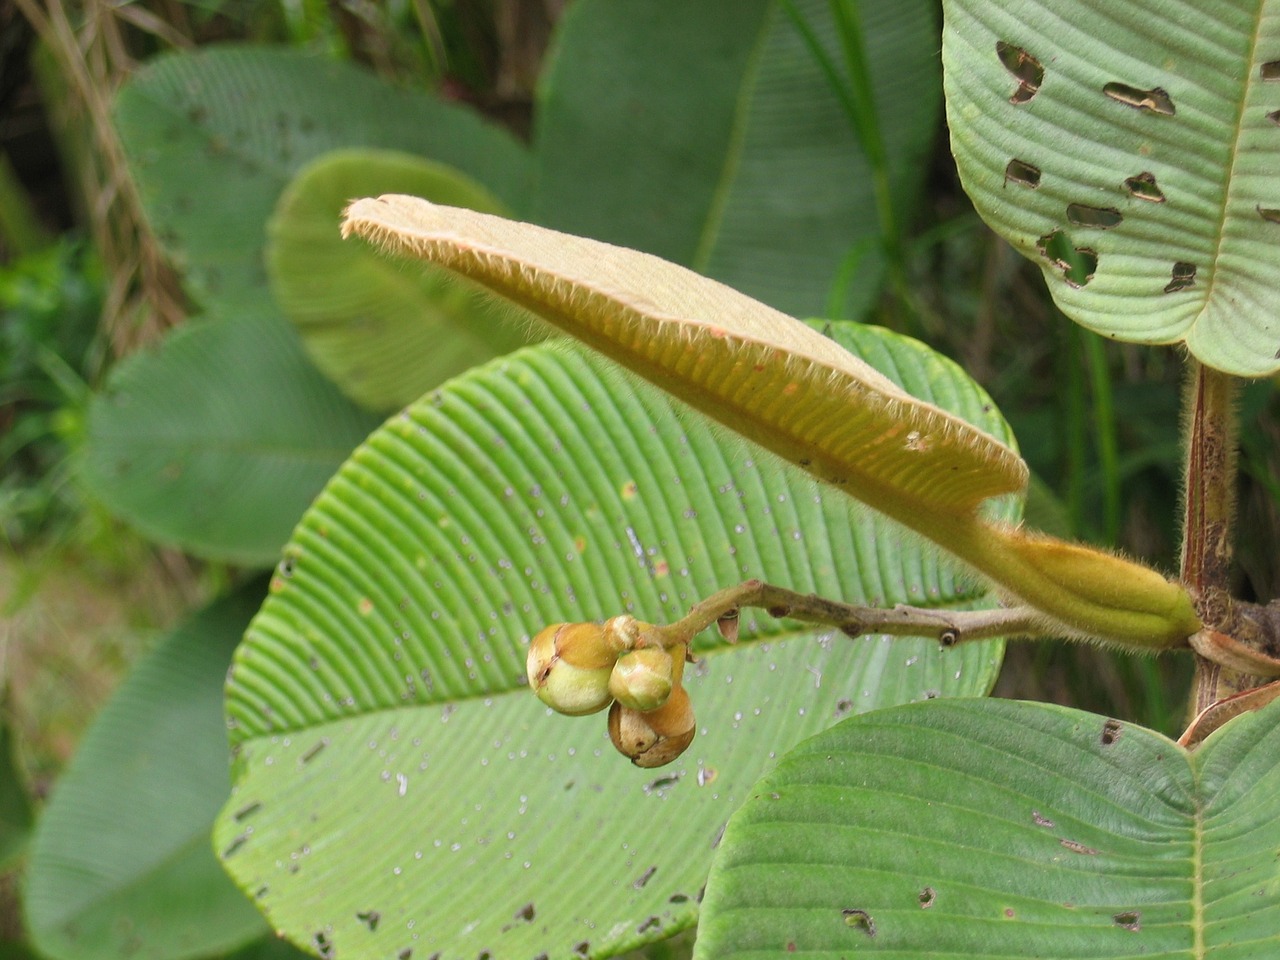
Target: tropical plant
{"type": "Point", "coordinates": [970, 827]}
{"type": "Point", "coordinates": [396, 789]}
{"type": "Point", "coordinates": [216, 438]}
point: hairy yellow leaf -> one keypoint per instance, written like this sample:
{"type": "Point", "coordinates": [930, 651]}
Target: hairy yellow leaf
{"type": "Point", "coordinates": [777, 381]}
{"type": "Point", "coordinates": [760, 372]}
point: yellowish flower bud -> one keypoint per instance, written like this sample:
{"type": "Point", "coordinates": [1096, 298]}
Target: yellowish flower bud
{"type": "Point", "coordinates": [642, 679]}
{"type": "Point", "coordinates": [655, 738]}
{"type": "Point", "coordinates": [569, 665]}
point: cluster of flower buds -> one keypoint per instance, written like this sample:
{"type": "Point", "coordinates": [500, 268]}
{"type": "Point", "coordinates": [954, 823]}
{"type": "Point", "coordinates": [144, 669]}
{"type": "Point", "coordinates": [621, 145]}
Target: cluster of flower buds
{"type": "Point", "coordinates": [626, 665]}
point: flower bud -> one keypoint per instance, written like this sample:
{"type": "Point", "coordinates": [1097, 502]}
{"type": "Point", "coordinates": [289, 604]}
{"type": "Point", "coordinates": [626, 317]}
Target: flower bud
{"type": "Point", "coordinates": [642, 679]}
{"type": "Point", "coordinates": [655, 738]}
{"type": "Point", "coordinates": [569, 666]}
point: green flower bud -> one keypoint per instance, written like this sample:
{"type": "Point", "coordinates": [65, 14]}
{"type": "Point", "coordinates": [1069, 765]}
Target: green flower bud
{"type": "Point", "coordinates": [642, 679]}
{"type": "Point", "coordinates": [569, 666]}
{"type": "Point", "coordinates": [655, 738]}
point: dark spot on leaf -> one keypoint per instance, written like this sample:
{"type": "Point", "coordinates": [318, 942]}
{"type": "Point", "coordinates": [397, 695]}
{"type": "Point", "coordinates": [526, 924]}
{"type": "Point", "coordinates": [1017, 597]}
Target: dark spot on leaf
{"type": "Point", "coordinates": [1183, 276]}
{"type": "Point", "coordinates": [582, 949]}
{"type": "Point", "coordinates": [1008, 912]}
{"type": "Point", "coordinates": [369, 918]}
{"type": "Point", "coordinates": [261, 892]}
{"type": "Point", "coordinates": [653, 923]}
{"type": "Point", "coordinates": [843, 707]}
{"type": "Point", "coordinates": [1082, 215]}
{"type": "Point", "coordinates": [235, 845]}
{"type": "Point", "coordinates": [1155, 100]}
{"type": "Point", "coordinates": [1019, 171]}
{"type": "Point", "coordinates": [927, 897]}
{"type": "Point", "coordinates": [405, 954]}
{"type": "Point", "coordinates": [1026, 70]}
{"type": "Point", "coordinates": [859, 920]}
{"type": "Point", "coordinates": [644, 878]}
{"type": "Point", "coordinates": [1039, 820]}
{"type": "Point", "coordinates": [662, 783]}
{"type": "Point", "coordinates": [1143, 187]}
{"type": "Point", "coordinates": [1270, 70]}
{"type": "Point", "coordinates": [247, 810]}
{"type": "Point", "coordinates": [526, 912]}
{"type": "Point", "coordinates": [1129, 920]}
{"type": "Point", "coordinates": [1110, 732]}
{"type": "Point", "coordinates": [1274, 117]}
{"type": "Point", "coordinates": [315, 751]}
{"type": "Point", "coordinates": [1080, 848]}
{"type": "Point", "coordinates": [677, 898]}
{"type": "Point", "coordinates": [323, 945]}
{"type": "Point", "coordinates": [485, 955]}
{"type": "Point", "coordinates": [1270, 214]}
{"type": "Point", "coordinates": [1078, 264]}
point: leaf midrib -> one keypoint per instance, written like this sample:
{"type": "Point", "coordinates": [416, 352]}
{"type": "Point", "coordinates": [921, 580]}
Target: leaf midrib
{"type": "Point", "coordinates": [1197, 865]}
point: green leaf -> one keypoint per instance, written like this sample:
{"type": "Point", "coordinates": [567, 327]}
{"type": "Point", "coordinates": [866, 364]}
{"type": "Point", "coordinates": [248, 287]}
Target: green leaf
{"type": "Point", "coordinates": [214, 136]}
{"type": "Point", "coordinates": [384, 729]}
{"type": "Point", "coordinates": [219, 439]}
{"type": "Point", "coordinates": [15, 806]}
{"type": "Point", "coordinates": [708, 134]}
{"type": "Point", "coordinates": [1132, 154]}
{"type": "Point", "coordinates": [384, 335]}
{"type": "Point", "coordinates": [998, 829]}
{"type": "Point", "coordinates": [120, 864]}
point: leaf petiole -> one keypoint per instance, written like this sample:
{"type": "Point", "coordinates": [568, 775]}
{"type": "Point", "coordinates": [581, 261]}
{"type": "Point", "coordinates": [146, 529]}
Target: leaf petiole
{"type": "Point", "coordinates": [948, 627]}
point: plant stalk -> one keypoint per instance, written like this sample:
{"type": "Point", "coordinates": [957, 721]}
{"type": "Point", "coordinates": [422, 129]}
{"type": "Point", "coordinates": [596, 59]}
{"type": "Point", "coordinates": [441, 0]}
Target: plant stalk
{"type": "Point", "coordinates": [948, 627]}
{"type": "Point", "coordinates": [1209, 513]}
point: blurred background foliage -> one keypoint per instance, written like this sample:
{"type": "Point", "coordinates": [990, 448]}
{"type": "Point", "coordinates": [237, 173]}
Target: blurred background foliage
{"type": "Point", "coordinates": [90, 289]}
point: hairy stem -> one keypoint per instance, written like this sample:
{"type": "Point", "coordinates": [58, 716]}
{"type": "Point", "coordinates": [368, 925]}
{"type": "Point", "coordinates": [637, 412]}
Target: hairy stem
{"type": "Point", "coordinates": [1209, 485]}
{"type": "Point", "coordinates": [948, 627]}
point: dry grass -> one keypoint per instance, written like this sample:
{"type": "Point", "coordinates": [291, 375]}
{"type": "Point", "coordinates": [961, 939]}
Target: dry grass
{"type": "Point", "coordinates": [70, 626]}
{"type": "Point", "coordinates": [90, 45]}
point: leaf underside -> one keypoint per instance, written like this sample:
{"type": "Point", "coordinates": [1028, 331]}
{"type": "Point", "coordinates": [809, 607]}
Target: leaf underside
{"type": "Point", "coordinates": [754, 369]}
{"type": "Point", "coordinates": [1130, 149]}
{"type": "Point", "coordinates": [383, 334]}
{"type": "Point", "coordinates": [399, 788]}
{"type": "Point", "coordinates": [991, 829]}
